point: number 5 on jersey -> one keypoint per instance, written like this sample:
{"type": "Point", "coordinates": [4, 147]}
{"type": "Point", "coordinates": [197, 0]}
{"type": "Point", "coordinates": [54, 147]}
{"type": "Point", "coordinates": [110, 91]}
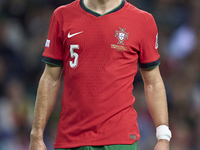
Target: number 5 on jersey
{"type": "Point", "coordinates": [73, 64]}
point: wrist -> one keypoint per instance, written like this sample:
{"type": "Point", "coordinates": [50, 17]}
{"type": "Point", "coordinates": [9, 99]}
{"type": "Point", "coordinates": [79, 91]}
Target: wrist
{"type": "Point", "coordinates": [163, 133]}
{"type": "Point", "coordinates": [36, 134]}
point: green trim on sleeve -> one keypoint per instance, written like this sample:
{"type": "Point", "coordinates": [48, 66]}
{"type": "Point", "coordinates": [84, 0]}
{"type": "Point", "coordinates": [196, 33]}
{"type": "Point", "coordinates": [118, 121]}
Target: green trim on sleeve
{"type": "Point", "coordinates": [152, 67]}
{"type": "Point", "coordinates": [51, 61]}
{"type": "Point", "coordinates": [52, 64]}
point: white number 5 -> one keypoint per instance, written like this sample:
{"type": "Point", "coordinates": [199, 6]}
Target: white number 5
{"type": "Point", "coordinates": [73, 55]}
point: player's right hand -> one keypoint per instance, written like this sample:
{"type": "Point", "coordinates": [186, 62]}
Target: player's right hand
{"type": "Point", "coordinates": [36, 144]}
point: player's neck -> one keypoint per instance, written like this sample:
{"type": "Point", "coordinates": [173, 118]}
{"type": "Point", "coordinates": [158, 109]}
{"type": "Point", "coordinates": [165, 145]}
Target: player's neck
{"type": "Point", "coordinates": [102, 6]}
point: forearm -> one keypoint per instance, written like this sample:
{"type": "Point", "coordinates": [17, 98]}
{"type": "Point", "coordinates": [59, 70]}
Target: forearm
{"type": "Point", "coordinates": [156, 101]}
{"type": "Point", "coordinates": [45, 101]}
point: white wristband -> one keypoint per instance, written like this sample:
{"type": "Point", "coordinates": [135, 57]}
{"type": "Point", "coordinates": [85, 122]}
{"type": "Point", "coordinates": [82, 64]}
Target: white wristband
{"type": "Point", "coordinates": [163, 132]}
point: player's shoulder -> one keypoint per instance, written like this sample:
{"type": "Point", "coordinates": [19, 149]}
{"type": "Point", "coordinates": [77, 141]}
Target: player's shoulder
{"type": "Point", "coordinates": [66, 8]}
{"type": "Point", "coordinates": [134, 11]}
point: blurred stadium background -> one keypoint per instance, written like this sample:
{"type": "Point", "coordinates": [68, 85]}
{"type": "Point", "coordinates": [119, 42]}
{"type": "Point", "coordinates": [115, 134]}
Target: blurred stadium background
{"type": "Point", "coordinates": [23, 31]}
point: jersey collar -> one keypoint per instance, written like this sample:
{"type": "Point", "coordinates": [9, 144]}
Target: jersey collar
{"type": "Point", "coordinates": [97, 14]}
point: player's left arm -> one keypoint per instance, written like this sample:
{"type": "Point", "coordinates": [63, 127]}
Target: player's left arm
{"type": "Point", "coordinates": [156, 101]}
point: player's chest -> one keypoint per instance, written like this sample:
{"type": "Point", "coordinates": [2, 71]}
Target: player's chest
{"type": "Point", "coordinates": [102, 33]}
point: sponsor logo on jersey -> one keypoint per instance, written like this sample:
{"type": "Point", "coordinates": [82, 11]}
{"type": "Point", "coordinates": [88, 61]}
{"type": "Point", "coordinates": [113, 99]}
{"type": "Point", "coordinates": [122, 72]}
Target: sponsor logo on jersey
{"type": "Point", "coordinates": [121, 35]}
{"type": "Point", "coordinates": [47, 44]}
{"type": "Point", "coordinates": [156, 45]}
{"type": "Point", "coordinates": [71, 35]}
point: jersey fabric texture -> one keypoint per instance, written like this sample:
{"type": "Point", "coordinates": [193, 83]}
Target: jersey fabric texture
{"type": "Point", "coordinates": [99, 56]}
{"type": "Point", "coordinates": [106, 147]}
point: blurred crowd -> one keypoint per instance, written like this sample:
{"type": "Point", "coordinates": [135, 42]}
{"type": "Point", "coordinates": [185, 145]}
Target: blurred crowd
{"type": "Point", "coordinates": [23, 31]}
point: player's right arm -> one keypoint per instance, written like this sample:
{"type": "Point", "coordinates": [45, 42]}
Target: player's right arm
{"type": "Point", "coordinates": [46, 97]}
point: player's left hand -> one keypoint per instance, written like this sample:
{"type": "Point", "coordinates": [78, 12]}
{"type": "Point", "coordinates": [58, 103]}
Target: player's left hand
{"type": "Point", "coordinates": [162, 145]}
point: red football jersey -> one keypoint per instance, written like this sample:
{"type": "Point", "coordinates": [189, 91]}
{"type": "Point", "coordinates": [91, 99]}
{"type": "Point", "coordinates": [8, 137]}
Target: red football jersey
{"type": "Point", "coordinates": [99, 55]}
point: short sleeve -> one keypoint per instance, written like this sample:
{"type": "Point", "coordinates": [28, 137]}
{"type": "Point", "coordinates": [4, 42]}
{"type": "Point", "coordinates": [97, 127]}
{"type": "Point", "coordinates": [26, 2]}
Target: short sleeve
{"type": "Point", "coordinates": [148, 55]}
{"type": "Point", "coordinates": [53, 47]}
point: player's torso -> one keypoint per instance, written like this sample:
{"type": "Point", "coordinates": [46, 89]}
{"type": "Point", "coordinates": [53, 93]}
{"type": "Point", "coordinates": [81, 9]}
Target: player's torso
{"type": "Point", "coordinates": [99, 44]}
{"type": "Point", "coordinates": [100, 56]}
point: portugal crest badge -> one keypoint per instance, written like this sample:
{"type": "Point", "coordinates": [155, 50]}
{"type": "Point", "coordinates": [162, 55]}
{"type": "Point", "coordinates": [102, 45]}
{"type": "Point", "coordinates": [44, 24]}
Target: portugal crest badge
{"type": "Point", "coordinates": [121, 35]}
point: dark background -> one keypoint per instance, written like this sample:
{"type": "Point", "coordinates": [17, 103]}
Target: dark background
{"type": "Point", "coordinates": [23, 31]}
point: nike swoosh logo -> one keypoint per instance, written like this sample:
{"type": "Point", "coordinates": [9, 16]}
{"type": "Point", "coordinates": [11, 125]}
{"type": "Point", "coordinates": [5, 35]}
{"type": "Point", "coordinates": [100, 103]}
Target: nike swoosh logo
{"type": "Point", "coordinates": [71, 35]}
